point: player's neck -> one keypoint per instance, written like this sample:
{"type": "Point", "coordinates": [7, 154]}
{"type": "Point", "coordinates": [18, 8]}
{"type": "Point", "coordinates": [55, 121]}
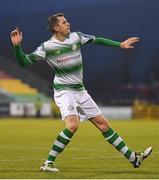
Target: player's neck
{"type": "Point", "coordinates": [59, 37]}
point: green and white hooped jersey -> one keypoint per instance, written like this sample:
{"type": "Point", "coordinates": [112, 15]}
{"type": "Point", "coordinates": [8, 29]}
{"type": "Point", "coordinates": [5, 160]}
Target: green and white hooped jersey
{"type": "Point", "coordinates": [65, 58]}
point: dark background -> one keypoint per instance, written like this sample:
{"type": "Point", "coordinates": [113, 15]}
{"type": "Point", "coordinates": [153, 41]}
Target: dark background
{"type": "Point", "coordinates": [106, 68]}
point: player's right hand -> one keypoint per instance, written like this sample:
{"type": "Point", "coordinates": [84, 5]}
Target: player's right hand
{"type": "Point", "coordinates": [16, 36]}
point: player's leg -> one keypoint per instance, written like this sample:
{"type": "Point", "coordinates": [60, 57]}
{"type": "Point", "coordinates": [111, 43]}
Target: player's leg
{"type": "Point", "coordinates": [64, 137]}
{"type": "Point", "coordinates": [114, 139]}
{"type": "Point", "coordinates": [67, 103]}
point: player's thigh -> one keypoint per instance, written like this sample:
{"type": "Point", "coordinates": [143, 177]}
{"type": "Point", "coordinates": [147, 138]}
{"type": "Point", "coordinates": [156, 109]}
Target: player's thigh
{"type": "Point", "coordinates": [66, 102]}
{"type": "Point", "coordinates": [88, 106]}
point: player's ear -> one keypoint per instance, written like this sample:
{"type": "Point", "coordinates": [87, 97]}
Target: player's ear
{"type": "Point", "coordinates": [56, 28]}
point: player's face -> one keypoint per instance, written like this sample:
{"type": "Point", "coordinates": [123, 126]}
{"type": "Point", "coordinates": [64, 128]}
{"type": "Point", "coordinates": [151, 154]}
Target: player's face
{"type": "Point", "coordinates": [63, 26]}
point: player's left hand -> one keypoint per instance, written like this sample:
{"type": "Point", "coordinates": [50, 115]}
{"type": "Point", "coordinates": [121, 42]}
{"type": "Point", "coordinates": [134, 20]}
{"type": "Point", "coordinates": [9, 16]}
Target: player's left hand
{"type": "Point", "coordinates": [127, 44]}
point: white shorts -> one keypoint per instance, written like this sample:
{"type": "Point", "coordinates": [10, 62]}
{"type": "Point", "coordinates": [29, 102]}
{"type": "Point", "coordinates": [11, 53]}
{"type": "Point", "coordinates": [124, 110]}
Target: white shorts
{"type": "Point", "coordinates": [77, 103]}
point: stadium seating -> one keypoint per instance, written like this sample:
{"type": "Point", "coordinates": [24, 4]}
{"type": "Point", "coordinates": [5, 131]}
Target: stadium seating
{"type": "Point", "coordinates": [20, 99]}
{"type": "Point", "coordinates": [18, 90]}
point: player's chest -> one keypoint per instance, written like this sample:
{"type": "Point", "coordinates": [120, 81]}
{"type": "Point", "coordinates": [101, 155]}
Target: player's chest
{"type": "Point", "coordinates": [55, 48]}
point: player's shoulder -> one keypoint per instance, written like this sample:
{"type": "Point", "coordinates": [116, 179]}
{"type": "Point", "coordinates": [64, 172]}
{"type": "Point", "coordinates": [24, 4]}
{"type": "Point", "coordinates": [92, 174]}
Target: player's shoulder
{"type": "Point", "coordinates": [74, 35]}
{"type": "Point", "coordinates": [48, 41]}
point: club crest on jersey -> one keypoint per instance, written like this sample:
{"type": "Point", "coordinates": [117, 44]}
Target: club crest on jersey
{"type": "Point", "coordinates": [70, 107]}
{"type": "Point", "coordinates": [74, 46]}
{"type": "Point", "coordinates": [57, 52]}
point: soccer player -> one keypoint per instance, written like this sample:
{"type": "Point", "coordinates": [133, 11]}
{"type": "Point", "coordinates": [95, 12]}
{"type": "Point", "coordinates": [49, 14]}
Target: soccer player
{"type": "Point", "coordinates": [62, 52]}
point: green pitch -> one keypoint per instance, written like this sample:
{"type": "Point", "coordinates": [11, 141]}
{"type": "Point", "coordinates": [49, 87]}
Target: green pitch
{"type": "Point", "coordinates": [24, 144]}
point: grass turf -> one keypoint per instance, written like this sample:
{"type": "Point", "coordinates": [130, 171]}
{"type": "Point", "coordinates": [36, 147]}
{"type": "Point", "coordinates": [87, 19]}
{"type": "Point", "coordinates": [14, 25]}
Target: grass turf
{"type": "Point", "coordinates": [24, 145]}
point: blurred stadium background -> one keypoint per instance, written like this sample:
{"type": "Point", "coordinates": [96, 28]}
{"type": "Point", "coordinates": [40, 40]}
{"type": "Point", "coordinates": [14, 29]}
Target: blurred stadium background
{"type": "Point", "coordinates": [124, 83]}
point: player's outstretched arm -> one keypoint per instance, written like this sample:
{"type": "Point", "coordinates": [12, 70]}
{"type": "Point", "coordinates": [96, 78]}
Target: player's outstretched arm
{"type": "Point", "coordinates": [16, 38]}
{"type": "Point", "coordinates": [128, 43]}
{"type": "Point", "coordinates": [106, 42]}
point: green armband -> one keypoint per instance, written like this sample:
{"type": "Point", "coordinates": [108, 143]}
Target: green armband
{"type": "Point", "coordinates": [20, 56]}
{"type": "Point", "coordinates": [106, 42]}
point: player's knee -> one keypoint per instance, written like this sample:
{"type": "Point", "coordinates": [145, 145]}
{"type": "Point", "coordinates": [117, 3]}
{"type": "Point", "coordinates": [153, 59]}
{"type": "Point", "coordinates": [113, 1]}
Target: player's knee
{"type": "Point", "coordinates": [72, 123]}
{"type": "Point", "coordinates": [73, 127]}
{"type": "Point", "coordinates": [104, 126]}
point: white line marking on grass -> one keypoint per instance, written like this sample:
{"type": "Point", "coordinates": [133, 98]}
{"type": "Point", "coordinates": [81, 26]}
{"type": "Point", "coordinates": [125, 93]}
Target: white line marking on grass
{"type": "Point", "coordinates": [16, 160]}
{"type": "Point", "coordinates": [43, 148]}
{"type": "Point", "coordinates": [104, 157]}
{"type": "Point", "coordinates": [88, 149]}
{"type": "Point", "coordinates": [99, 157]}
{"type": "Point", "coordinates": [16, 147]}
{"type": "Point", "coordinates": [77, 158]}
{"type": "Point", "coordinates": [70, 149]}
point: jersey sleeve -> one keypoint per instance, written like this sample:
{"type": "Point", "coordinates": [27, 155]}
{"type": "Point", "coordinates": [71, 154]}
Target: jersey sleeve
{"type": "Point", "coordinates": [26, 59]}
{"type": "Point", "coordinates": [106, 42]}
{"type": "Point", "coordinates": [85, 38]}
{"type": "Point", "coordinates": [37, 55]}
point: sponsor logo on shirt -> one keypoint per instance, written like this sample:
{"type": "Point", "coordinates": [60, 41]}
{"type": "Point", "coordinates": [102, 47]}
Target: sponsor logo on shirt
{"type": "Point", "coordinates": [64, 60]}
